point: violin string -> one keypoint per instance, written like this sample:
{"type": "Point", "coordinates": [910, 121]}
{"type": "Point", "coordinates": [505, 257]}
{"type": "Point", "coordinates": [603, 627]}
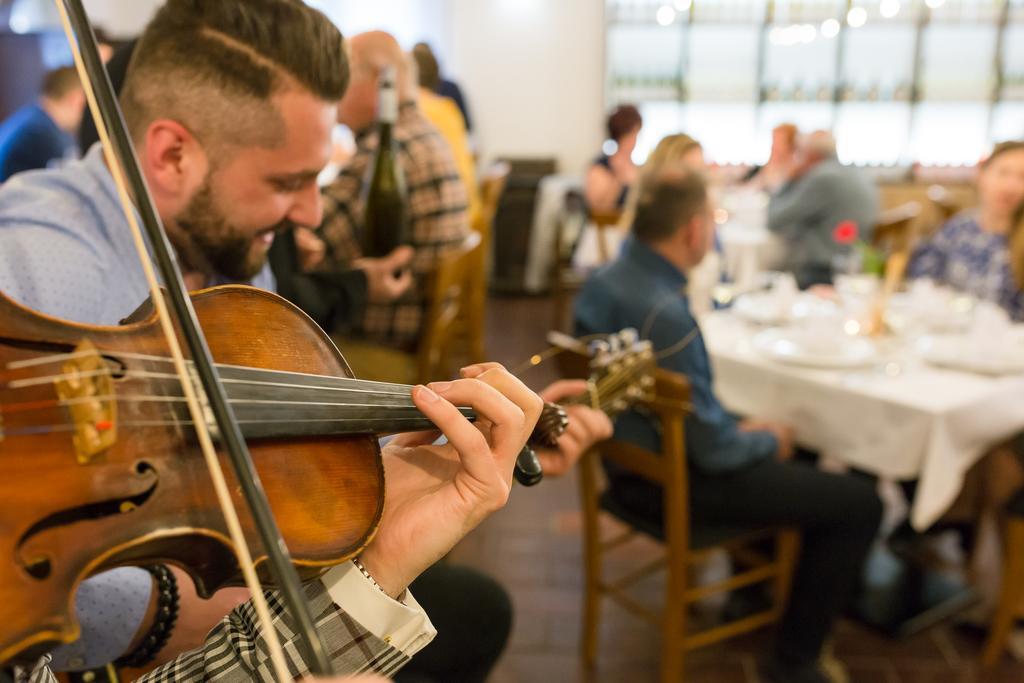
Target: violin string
{"type": "Point", "coordinates": [339, 383]}
{"type": "Point", "coordinates": [397, 423]}
{"type": "Point", "coordinates": [56, 358]}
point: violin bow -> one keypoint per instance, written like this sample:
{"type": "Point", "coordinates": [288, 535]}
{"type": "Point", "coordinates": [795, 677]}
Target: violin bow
{"type": "Point", "coordinates": [124, 166]}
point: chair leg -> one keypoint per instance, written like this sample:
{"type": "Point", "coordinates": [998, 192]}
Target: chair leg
{"type": "Point", "coordinates": [673, 653]}
{"type": "Point", "coordinates": [591, 607]}
{"type": "Point", "coordinates": [788, 545]}
{"type": "Point", "coordinates": [1011, 594]}
{"type": "Point", "coordinates": [673, 627]}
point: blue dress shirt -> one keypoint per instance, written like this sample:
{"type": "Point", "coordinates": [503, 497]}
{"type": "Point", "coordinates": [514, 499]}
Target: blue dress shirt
{"type": "Point", "coordinates": [66, 250]}
{"type": "Point", "coordinates": [644, 291]}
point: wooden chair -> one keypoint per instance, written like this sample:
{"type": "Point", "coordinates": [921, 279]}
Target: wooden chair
{"type": "Point", "coordinates": [685, 544]}
{"type": "Point", "coordinates": [451, 289]}
{"type": "Point", "coordinates": [943, 202]}
{"type": "Point", "coordinates": [566, 280]}
{"type": "Point", "coordinates": [492, 186]}
{"type": "Point", "coordinates": [894, 229]}
{"type": "Point", "coordinates": [1012, 594]}
{"type": "Point", "coordinates": [896, 234]}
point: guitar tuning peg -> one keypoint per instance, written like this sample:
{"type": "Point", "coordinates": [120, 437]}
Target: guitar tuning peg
{"type": "Point", "coordinates": [614, 344]}
{"type": "Point", "coordinates": [599, 348]}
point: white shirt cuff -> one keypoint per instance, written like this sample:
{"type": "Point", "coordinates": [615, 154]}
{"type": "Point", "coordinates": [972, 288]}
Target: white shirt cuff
{"type": "Point", "coordinates": [406, 628]}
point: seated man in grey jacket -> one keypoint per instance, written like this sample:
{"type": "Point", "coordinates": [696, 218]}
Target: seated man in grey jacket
{"type": "Point", "coordinates": [819, 195]}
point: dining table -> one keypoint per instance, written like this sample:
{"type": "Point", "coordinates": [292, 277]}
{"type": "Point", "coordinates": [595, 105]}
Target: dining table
{"type": "Point", "coordinates": [923, 401]}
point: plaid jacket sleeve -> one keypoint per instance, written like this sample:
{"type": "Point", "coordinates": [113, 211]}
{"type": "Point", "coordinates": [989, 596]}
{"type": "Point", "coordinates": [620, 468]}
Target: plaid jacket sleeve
{"type": "Point", "coordinates": [236, 650]}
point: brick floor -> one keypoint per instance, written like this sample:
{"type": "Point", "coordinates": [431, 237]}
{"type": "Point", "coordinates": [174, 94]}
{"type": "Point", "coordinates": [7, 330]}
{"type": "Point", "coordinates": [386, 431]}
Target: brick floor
{"type": "Point", "coordinates": [533, 547]}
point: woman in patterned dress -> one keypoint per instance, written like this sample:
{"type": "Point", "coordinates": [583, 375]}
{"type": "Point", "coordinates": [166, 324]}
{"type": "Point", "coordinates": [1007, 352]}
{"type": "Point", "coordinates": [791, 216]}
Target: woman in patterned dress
{"type": "Point", "coordinates": [981, 251]}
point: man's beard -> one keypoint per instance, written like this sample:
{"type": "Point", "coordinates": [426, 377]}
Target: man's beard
{"type": "Point", "coordinates": [215, 244]}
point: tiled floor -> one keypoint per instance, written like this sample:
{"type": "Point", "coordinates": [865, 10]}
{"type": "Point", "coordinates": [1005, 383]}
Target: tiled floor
{"type": "Point", "coordinates": [533, 548]}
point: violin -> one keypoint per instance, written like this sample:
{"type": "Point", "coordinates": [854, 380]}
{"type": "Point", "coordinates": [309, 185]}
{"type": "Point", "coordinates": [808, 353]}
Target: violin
{"type": "Point", "coordinates": [97, 414]}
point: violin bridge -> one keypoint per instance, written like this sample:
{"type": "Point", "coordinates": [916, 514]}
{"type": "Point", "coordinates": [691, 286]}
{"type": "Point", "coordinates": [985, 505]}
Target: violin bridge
{"type": "Point", "coordinates": [86, 388]}
{"type": "Point", "coordinates": [204, 404]}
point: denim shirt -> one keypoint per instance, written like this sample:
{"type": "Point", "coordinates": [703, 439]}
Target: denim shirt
{"type": "Point", "coordinates": [644, 291]}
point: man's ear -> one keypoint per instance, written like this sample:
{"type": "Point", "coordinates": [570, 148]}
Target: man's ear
{"type": "Point", "coordinates": [174, 162]}
{"type": "Point", "coordinates": [694, 233]}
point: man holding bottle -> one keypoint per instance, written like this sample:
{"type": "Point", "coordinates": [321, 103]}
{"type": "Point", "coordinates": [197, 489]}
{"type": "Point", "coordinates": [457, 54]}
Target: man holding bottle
{"type": "Point", "coordinates": [435, 203]}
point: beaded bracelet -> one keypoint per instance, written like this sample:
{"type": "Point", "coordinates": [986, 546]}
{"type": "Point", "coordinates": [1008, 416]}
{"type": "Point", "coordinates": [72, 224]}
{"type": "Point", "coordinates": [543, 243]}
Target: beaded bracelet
{"type": "Point", "coordinates": [166, 614]}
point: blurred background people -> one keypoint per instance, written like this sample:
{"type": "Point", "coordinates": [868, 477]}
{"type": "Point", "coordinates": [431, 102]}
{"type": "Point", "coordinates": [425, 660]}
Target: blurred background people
{"type": "Point", "coordinates": [780, 161]}
{"type": "Point", "coordinates": [436, 203]}
{"type": "Point", "coordinates": [613, 172]}
{"type": "Point", "coordinates": [446, 87]}
{"type": "Point", "coordinates": [981, 251]}
{"type": "Point", "coordinates": [443, 112]}
{"type": "Point", "coordinates": [41, 134]}
{"type": "Point", "coordinates": [737, 468]}
{"type": "Point", "coordinates": [818, 194]}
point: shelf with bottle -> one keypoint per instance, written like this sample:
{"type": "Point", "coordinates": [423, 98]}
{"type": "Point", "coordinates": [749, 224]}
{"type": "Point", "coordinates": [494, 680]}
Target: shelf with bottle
{"type": "Point", "coordinates": [875, 92]}
{"type": "Point", "coordinates": [773, 92]}
{"type": "Point", "coordinates": [646, 87]}
{"type": "Point", "coordinates": [964, 11]}
{"type": "Point", "coordinates": [1013, 87]}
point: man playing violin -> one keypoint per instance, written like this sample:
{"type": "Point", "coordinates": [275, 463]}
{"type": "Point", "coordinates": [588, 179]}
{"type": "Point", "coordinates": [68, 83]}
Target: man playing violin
{"type": "Point", "coordinates": [230, 106]}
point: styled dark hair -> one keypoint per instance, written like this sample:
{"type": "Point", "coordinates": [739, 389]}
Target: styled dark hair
{"type": "Point", "coordinates": [427, 66]}
{"type": "Point", "coordinates": [668, 198]}
{"type": "Point", "coordinates": [212, 65]}
{"type": "Point", "coordinates": [59, 82]}
{"type": "Point", "coordinates": [622, 120]}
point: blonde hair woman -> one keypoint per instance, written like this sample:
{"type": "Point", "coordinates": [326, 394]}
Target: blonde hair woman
{"type": "Point", "coordinates": [677, 148]}
{"type": "Point", "coordinates": [981, 251]}
{"type": "Point", "coordinates": [680, 148]}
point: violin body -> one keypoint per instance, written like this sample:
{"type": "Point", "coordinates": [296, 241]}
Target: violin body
{"type": "Point", "coordinates": [100, 472]}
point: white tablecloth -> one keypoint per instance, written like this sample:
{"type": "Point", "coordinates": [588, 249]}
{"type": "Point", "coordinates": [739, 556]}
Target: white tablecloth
{"type": "Point", "coordinates": [748, 249]}
{"type": "Point", "coordinates": [921, 422]}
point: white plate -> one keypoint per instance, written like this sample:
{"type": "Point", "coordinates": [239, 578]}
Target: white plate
{"type": "Point", "coordinates": [945, 316]}
{"type": "Point", "coordinates": [765, 308]}
{"type": "Point", "coordinates": [810, 348]}
{"type": "Point", "coordinates": [957, 352]}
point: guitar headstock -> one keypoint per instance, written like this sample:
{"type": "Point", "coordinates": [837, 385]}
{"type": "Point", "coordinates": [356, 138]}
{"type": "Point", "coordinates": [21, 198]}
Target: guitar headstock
{"type": "Point", "coordinates": [621, 371]}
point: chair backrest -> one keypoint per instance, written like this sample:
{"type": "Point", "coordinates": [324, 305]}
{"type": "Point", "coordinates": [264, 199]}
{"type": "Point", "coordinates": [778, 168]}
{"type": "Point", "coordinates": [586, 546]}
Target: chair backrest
{"type": "Point", "coordinates": [895, 228]}
{"type": "Point", "coordinates": [605, 221]}
{"type": "Point", "coordinates": [670, 405]}
{"type": "Point", "coordinates": [943, 202]}
{"type": "Point", "coordinates": [450, 297]}
{"type": "Point", "coordinates": [492, 186]}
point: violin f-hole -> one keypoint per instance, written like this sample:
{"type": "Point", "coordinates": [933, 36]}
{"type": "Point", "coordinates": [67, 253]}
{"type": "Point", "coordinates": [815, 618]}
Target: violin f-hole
{"type": "Point", "coordinates": [37, 563]}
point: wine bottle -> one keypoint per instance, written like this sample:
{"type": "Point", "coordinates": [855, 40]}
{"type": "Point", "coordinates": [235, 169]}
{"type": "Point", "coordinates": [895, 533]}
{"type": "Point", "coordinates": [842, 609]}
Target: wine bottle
{"type": "Point", "coordinates": [384, 220]}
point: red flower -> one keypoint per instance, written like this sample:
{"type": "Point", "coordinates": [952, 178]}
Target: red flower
{"type": "Point", "coordinates": [845, 232]}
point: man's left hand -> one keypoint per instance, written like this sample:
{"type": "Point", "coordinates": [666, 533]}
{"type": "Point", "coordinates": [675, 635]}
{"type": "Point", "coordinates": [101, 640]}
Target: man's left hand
{"type": "Point", "coordinates": [586, 427]}
{"type": "Point", "coordinates": [437, 493]}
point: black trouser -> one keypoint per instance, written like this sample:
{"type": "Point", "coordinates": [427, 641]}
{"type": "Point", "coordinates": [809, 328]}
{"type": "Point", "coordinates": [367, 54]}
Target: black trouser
{"type": "Point", "coordinates": [837, 515]}
{"type": "Point", "coordinates": [473, 617]}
